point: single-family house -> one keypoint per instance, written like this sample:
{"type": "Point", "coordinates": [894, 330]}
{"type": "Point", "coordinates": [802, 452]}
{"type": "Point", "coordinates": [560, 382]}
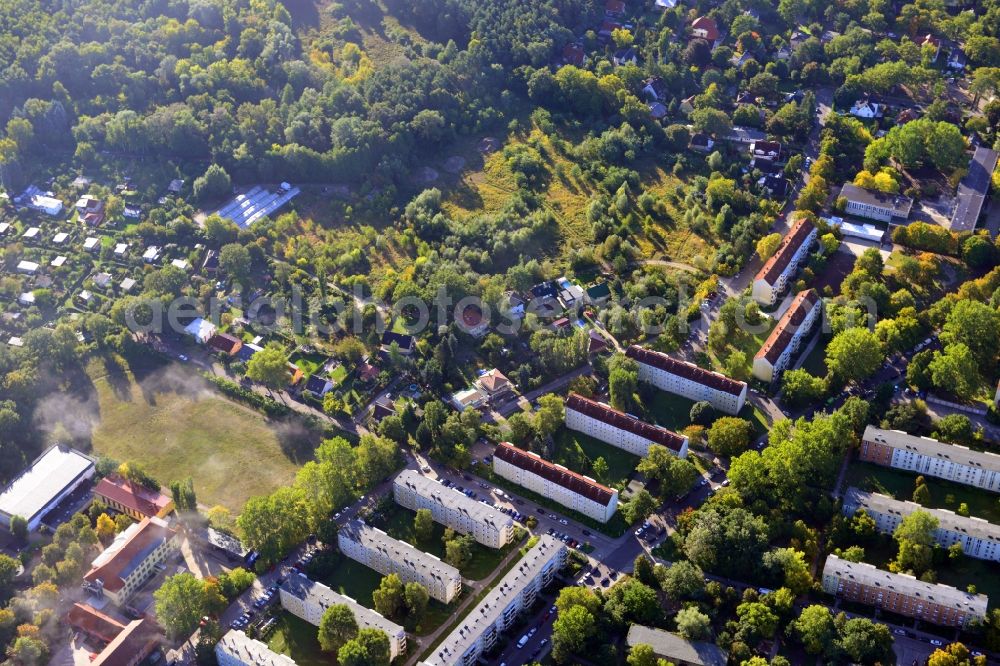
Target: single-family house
{"type": "Point", "coordinates": [151, 254]}
{"type": "Point", "coordinates": [91, 244]}
{"type": "Point", "coordinates": [224, 343]}
{"type": "Point", "coordinates": [931, 43]}
{"type": "Point", "coordinates": [654, 89]}
{"type": "Point", "coordinates": [127, 285]}
{"type": "Point", "coordinates": [473, 322]}
{"type": "Point", "coordinates": [597, 294]}
{"type": "Point", "coordinates": [607, 27]}
{"type": "Point", "coordinates": [596, 342]}
{"type": "Point", "coordinates": [181, 264]}
{"type": "Point", "coordinates": [175, 186]}
{"type": "Point", "coordinates": [466, 398]}
{"type": "Point", "coordinates": [614, 8]}
{"type": "Point", "coordinates": [865, 108]}
{"type": "Point", "coordinates": [705, 28]}
{"type": "Point", "coordinates": [701, 143]}
{"type": "Point", "coordinates": [746, 135]}
{"type": "Point", "coordinates": [573, 54]}
{"type": "Point", "coordinates": [657, 111]}
{"type": "Point", "coordinates": [495, 385]}
{"type": "Point", "coordinates": [211, 263]}
{"type": "Point", "coordinates": [765, 150]}
{"type": "Point", "coordinates": [201, 330]}
{"type": "Point", "coordinates": [121, 249]}
{"type": "Point", "coordinates": [625, 56]}
{"type": "Point", "coordinates": [102, 280]}
{"type": "Point", "coordinates": [318, 386]}
{"type": "Point", "coordinates": [687, 105]}
{"type": "Point", "coordinates": [406, 343]}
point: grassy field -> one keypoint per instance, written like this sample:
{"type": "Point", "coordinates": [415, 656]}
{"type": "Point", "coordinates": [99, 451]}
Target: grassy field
{"type": "Point", "coordinates": [308, 363]}
{"type": "Point", "coordinates": [175, 426]}
{"type": "Point", "coordinates": [297, 639]}
{"type": "Point", "coordinates": [398, 523]}
{"type": "Point", "coordinates": [944, 494]}
{"type": "Point", "coordinates": [674, 413]}
{"type": "Point", "coordinates": [577, 452]}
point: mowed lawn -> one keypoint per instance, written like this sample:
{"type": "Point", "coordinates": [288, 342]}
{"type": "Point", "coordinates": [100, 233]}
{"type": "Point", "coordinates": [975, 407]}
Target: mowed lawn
{"type": "Point", "coordinates": [577, 451]}
{"type": "Point", "coordinates": [297, 639]}
{"type": "Point", "coordinates": [175, 430]}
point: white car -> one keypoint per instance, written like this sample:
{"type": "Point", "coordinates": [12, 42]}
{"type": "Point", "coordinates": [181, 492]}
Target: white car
{"type": "Point", "coordinates": [563, 521]}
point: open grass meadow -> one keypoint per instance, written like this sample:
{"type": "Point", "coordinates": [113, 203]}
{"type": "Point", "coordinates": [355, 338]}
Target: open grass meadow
{"type": "Point", "coordinates": [577, 451]}
{"type": "Point", "coordinates": [175, 426]}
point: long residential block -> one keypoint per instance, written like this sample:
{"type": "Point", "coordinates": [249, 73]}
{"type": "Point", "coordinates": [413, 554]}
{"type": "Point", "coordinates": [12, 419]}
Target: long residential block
{"type": "Point", "coordinates": [377, 550]}
{"type": "Point", "coordinates": [688, 380]}
{"type": "Point", "coordinates": [923, 455]}
{"type": "Point", "coordinates": [619, 429]}
{"type": "Point", "coordinates": [578, 492]}
{"type": "Point", "coordinates": [903, 594]}
{"type": "Point", "coordinates": [238, 649]}
{"type": "Point", "coordinates": [453, 509]}
{"type": "Point", "coordinates": [309, 600]}
{"type": "Point", "coordinates": [773, 277]}
{"type": "Point", "coordinates": [515, 593]}
{"type": "Point", "coordinates": [979, 538]}
{"type": "Point", "coordinates": [786, 338]}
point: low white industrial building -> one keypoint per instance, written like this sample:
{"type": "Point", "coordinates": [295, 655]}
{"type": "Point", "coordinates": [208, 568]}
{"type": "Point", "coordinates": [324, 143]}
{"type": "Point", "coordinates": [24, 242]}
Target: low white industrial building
{"type": "Point", "coordinates": [52, 477]}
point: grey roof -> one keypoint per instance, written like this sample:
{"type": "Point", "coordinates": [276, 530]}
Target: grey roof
{"type": "Point", "coordinates": [225, 542]}
{"type": "Point", "coordinates": [400, 551]}
{"type": "Point", "coordinates": [488, 611]}
{"type": "Point", "coordinates": [300, 586]}
{"type": "Point", "coordinates": [451, 499]}
{"type": "Point", "coordinates": [960, 455]}
{"type": "Point", "coordinates": [671, 646]}
{"type": "Point", "coordinates": [899, 204]}
{"type": "Point", "coordinates": [58, 468]}
{"type": "Point", "coordinates": [943, 595]}
{"type": "Point", "coordinates": [972, 190]}
{"type": "Point", "coordinates": [250, 651]}
{"type": "Point", "coordinates": [855, 499]}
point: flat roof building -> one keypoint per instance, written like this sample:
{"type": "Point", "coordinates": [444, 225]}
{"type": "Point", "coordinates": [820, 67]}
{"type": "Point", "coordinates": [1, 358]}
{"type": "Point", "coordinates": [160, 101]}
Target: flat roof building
{"type": "Point", "coordinates": [923, 455]}
{"type": "Point", "coordinates": [675, 648]}
{"type": "Point", "coordinates": [379, 551]}
{"type": "Point", "coordinates": [578, 492]}
{"type": "Point", "coordinates": [786, 338]}
{"type": "Point", "coordinates": [688, 380]}
{"type": "Point", "coordinates": [973, 188]}
{"type": "Point", "coordinates": [238, 649]}
{"type": "Point", "coordinates": [773, 277]}
{"type": "Point", "coordinates": [619, 429]}
{"type": "Point", "coordinates": [978, 538]}
{"type": "Point", "coordinates": [52, 477]}
{"type": "Point", "coordinates": [309, 600]}
{"type": "Point", "coordinates": [453, 509]}
{"type": "Point", "coordinates": [500, 609]}
{"type": "Point", "coordinates": [875, 205]}
{"type": "Point", "coordinates": [903, 594]}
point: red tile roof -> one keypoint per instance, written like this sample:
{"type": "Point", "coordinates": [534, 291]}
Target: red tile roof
{"type": "Point", "coordinates": [783, 333]}
{"type": "Point", "coordinates": [614, 6]}
{"type": "Point", "coordinates": [93, 622]}
{"type": "Point", "coordinates": [493, 381]}
{"type": "Point", "coordinates": [120, 564]}
{"type": "Point", "coordinates": [560, 476]}
{"type": "Point", "coordinates": [708, 25]}
{"type": "Point", "coordinates": [574, 54]}
{"type": "Point", "coordinates": [137, 497]}
{"type": "Point", "coordinates": [790, 244]}
{"type": "Point", "coordinates": [131, 646]}
{"type": "Point", "coordinates": [225, 343]}
{"type": "Point", "coordinates": [687, 370]}
{"type": "Point", "coordinates": [622, 421]}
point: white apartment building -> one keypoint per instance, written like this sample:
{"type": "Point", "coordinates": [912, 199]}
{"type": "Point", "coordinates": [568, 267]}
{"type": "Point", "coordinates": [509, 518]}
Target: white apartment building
{"type": "Point", "coordinates": [773, 277]}
{"type": "Point", "coordinates": [901, 593]}
{"type": "Point", "coordinates": [923, 455]}
{"type": "Point", "coordinates": [377, 550]}
{"type": "Point", "coordinates": [979, 538]}
{"type": "Point", "coordinates": [238, 649]}
{"type": "Point", "coordinates": [619, 429]}
{"type": "Point", "coordinates": [453, 509]}
{"type": "Point", "coordinates": [309, 600]}
{"type": "Point", "coordinates": [572, 490]}
{"type": "Point", "coordinates": [874, 205]}
{"type": "Point", "coordinates": [688, 380]}
{"type": "Point", "coordinates": [514, 594]}
{"type": "Point", "coordinates": [786, 338]}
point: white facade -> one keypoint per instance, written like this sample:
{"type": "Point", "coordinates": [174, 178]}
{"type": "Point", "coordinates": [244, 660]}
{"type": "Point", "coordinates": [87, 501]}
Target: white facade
{"type": "Point", "coordinates": [979, 538]}
{"type": "Point", "coordinates": [309, 600]}
{"type": "Point", "coordinates": [500, 609]}
{"type": "Point", "coordinates": [238, 649]}
{"type": "Point", "coordinates": [557, 483]}
{"type": "Point", "coordinates": [453, 509]}
{"type": "Point", "coordinates": [688, 380]}
{"type": "Point", "coordinates": [377, 550]}
{"type": "Point", "coordinates": [923, 455]}
{"type": "Point", "coordinates": [623, 431]}
{"type": "Point", "coordinates": [786, 339]}
{"type": "Point", "coordinates": [768, 284]}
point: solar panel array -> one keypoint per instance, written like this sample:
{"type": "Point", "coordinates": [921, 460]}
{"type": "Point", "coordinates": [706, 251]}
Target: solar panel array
{"type": "Point", "coordinates": [245, 209]}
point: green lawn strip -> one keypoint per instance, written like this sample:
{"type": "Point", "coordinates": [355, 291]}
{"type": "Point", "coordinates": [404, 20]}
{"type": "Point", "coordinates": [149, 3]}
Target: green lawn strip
{"type": "Point", "coordinates": [472, 605]}
{"type": "Point", "coordinates": [296, 638]}
{"type": "Point", "coordinates": [577, 451]}
{"type": "Point", "coordinates": [962, 571]}
{"type": "Point", "coordinates": [339, 374]}
{"type": "Point", "coordinates": [673, 412]}
{"type": "Point", "coordinates": [613, 528]}
{"type": "Point", "coordinates": [354, 580]}
{"type": "Point", "coordinates": [308, 363]}
{"type": "Point", "coordinates": [944, 494]}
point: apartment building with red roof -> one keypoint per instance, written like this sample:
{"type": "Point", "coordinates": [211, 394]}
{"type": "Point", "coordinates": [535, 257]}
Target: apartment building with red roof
{"type": "Point", "coordinates": [786, 338]}
{"type": "Point", "coordinates": [688, 380]}
{"type": "Point", "coordinates": [575, 491]}
{"type": "Point", "coordinates": [773, 277]}
{"type": "Point", "coordinates": [133, 499]}
{"type": "Point", "coordinates": [619, 429]}
{"type": "Point", "coordinates": [131, 560]}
